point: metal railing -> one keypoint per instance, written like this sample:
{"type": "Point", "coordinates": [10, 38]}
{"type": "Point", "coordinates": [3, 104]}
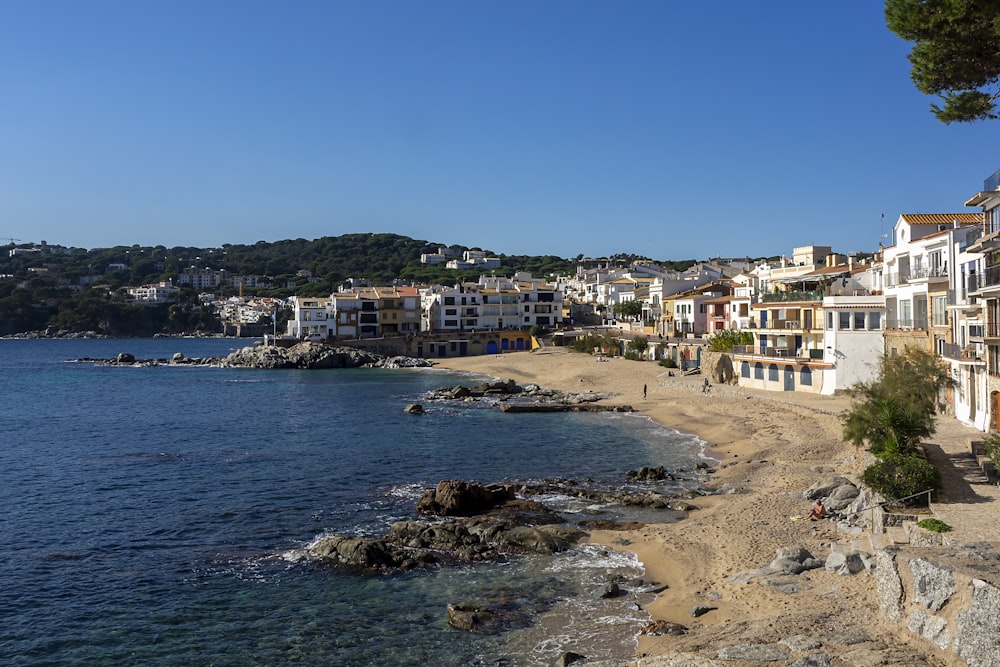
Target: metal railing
{"type": "Point", "coordinates": [897, 500]}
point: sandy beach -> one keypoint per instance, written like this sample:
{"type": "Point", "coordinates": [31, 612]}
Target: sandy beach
{"type": "Point", "coordinates": [771, 447]}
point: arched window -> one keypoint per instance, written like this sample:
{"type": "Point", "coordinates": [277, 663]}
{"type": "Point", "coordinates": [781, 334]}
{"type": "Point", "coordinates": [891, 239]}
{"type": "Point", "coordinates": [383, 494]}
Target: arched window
{"type": "Point", "coordinates": [758, 371]}
{"type": "Point", "coordinates": [806, 376]}
{"type": "Point", "coordinates": [745, 369]}
{"type": "Point", "coordinates": [772, 373]}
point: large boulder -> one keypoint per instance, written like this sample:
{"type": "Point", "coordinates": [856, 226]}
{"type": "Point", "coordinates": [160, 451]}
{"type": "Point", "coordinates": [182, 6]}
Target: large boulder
{"type": "Point", "coordinates": [825, 487]}
{"type": "Point", "coordinates": [364, 552]}
{"type": "Point", "coordinates": [458, 498]}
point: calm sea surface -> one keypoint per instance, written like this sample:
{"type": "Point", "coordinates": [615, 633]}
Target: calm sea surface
{"type": "Point", "coordinates": [157, 515]}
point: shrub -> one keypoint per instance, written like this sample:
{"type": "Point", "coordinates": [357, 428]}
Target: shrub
{"type": "Point", "coordinates": [668, 362]}
{"type": "Point", "coordinates": [992, 445]}
{"type": "Point", "coordinates": [899, 475]}
{"type": "Point", "coordinates": [725, 340]}
{"type": "Point", "coordinates": [934, 525]}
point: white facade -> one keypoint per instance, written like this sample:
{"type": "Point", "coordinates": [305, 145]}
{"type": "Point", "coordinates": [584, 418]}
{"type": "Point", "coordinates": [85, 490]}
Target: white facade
{"type": "Point", "coordinates": [852, 338]}
{"type": "Point", "coordinates": [310, 318]}
{"type": "Point", "coordinates": [151, 294]}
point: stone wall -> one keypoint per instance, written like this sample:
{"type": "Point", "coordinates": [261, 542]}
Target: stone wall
{"type": "Point", "coordinates": [949, 596]}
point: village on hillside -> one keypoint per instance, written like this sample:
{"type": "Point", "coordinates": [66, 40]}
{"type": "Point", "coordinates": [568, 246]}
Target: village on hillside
{"type": "Point", "coordinates": [820, 321]}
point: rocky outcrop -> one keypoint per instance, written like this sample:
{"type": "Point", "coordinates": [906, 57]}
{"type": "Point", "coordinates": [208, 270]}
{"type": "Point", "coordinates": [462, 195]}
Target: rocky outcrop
{"type": "Point", "coordinates": [506, 390]}
{"type": "Point", "coordinates": [948, 596]}
{"type": "Point", "coordinates": [777, 574]}
{"type": "Point", "coordinates": [499, 525]}
{"type": "Point", "coordinates": [457, 498]}
{"type": "Point", "coordinates": [837, 492]}
{"type": "Point", "coordinates": [305, 355]}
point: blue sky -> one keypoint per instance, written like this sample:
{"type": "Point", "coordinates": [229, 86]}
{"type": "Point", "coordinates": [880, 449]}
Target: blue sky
{"type": "Point", "coordinates": [670, 129]}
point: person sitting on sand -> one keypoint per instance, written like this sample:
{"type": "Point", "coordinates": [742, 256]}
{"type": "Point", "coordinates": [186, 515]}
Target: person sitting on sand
{"type": "Point", "coordinates": [817, 512]}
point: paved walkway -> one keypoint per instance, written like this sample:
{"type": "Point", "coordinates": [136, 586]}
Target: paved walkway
{"type": "Point", "coordinates": [967, 502]}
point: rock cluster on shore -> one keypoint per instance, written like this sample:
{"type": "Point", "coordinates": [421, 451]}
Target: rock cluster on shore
{"type": "Point", "coordinates": [491, 523]}
{"type": "Point", "coordinates": [305, 356]}
{"type": "Point", "coordinates": [513, 397]}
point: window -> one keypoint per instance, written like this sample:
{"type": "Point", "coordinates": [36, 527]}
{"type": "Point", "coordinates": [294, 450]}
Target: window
{"type": "Point", "coordinates": [905, 314]}
{"type": "Point", "coordinates": [745, 369]}
{"type": "Point", "coordinates": [940, 314]}
{"type": "Point", "coordinates": [772, 373]}
{"type": "Point", "coordinates": [758, 371]}
{"type": "Point", "coordinates": [806, 377]}
{"type": "Point", "coordinates": [874, 320]}
{"type": "Point", "coordinates": [845, 320]}
{"type": "Point", "coordinates": [829, 321]}
{"type": "Point", "coordinates": [451, 323]}
{"type": "Point", "coordinates": [859, 320]}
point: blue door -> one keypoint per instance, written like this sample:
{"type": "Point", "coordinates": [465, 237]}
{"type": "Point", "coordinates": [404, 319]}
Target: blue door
{"type": "Point", "coordinates": [491, 347]}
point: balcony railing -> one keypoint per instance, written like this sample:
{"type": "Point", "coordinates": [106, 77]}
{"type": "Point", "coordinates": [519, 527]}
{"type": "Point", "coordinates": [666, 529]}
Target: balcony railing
{"type": "Point", "coordinates": [778, 353]}
{"type": "Point", "coordinates": [955, 351]}
{"type": "Point", "coordinates": [896, 279]}
{"type": "Point", "coordinates": [990, 277]}
{"type": "Point", "coordinates": [906, 323]}
{"type": "Point", "coordinates": [792, 295]}
{"type": "Point", "coordinates": [782, 325]}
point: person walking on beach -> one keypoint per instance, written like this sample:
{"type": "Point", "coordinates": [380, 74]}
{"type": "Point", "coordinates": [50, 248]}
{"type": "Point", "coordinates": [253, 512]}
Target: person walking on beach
{"type": "Point", "coordinates": [644, 392]}
{"type": "Point", "coordinates": [705, 386]}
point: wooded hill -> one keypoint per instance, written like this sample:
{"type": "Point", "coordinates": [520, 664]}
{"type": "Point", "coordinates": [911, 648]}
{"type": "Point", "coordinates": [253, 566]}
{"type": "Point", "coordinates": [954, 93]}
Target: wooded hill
{"type": "Point", "coordinates": [43, 289]}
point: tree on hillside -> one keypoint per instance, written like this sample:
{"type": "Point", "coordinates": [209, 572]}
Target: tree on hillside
{"type": "Point", "coordinates": [955, 54]}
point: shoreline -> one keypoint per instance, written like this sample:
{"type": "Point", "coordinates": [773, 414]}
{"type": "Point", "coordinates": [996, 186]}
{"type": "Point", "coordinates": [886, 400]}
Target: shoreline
{"type": "Point", "coordinates": [770, 448]}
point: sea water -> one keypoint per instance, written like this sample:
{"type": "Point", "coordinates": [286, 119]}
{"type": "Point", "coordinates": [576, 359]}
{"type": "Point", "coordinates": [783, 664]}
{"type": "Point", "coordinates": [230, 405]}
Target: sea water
{"type": "Point", "coordinates": [157, 515]}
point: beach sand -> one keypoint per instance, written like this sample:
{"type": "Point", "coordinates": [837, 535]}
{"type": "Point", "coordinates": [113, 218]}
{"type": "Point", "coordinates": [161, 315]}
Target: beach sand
{"type": "Point", "coordinates": [771, 447]}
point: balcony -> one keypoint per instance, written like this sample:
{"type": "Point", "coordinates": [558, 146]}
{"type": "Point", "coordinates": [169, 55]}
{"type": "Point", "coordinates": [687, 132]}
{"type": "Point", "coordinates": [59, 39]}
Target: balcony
{"type": "Point", "coordinates": [778, 353]}
{"type": "Point", "coordinates": [988, 280]}
{"type": "Point", "coordinates": [783, 325]}
{"type": "Point", "coordinates": [793, 295]}
{"type": "Point", "coordinates": [959, 353]}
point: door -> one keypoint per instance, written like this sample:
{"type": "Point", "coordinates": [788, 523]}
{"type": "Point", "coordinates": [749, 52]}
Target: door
{"type": "Point", "coordinates": [996, 410]}
{"type": "Point", "coordinates": [972, 396]}
{"type": "Point", "coordinates": [789, 378]}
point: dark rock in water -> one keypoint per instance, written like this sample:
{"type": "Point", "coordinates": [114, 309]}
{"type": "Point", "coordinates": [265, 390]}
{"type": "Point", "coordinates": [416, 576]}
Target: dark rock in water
{"type": "Point", "coordinates": [471, 617]}
{"type": "Point", "coordinates": [609, 590]}
{"type": "Point", "coordinates": [357, 551]}
{"type": "Point", "coordinates": [125, 358]}
{"type": "Point", "coordinates": [646, 474]}
{"type": "Point", "coordinates": [414, 409]}
{"type": "Point", "coordinates": [457, 498]}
